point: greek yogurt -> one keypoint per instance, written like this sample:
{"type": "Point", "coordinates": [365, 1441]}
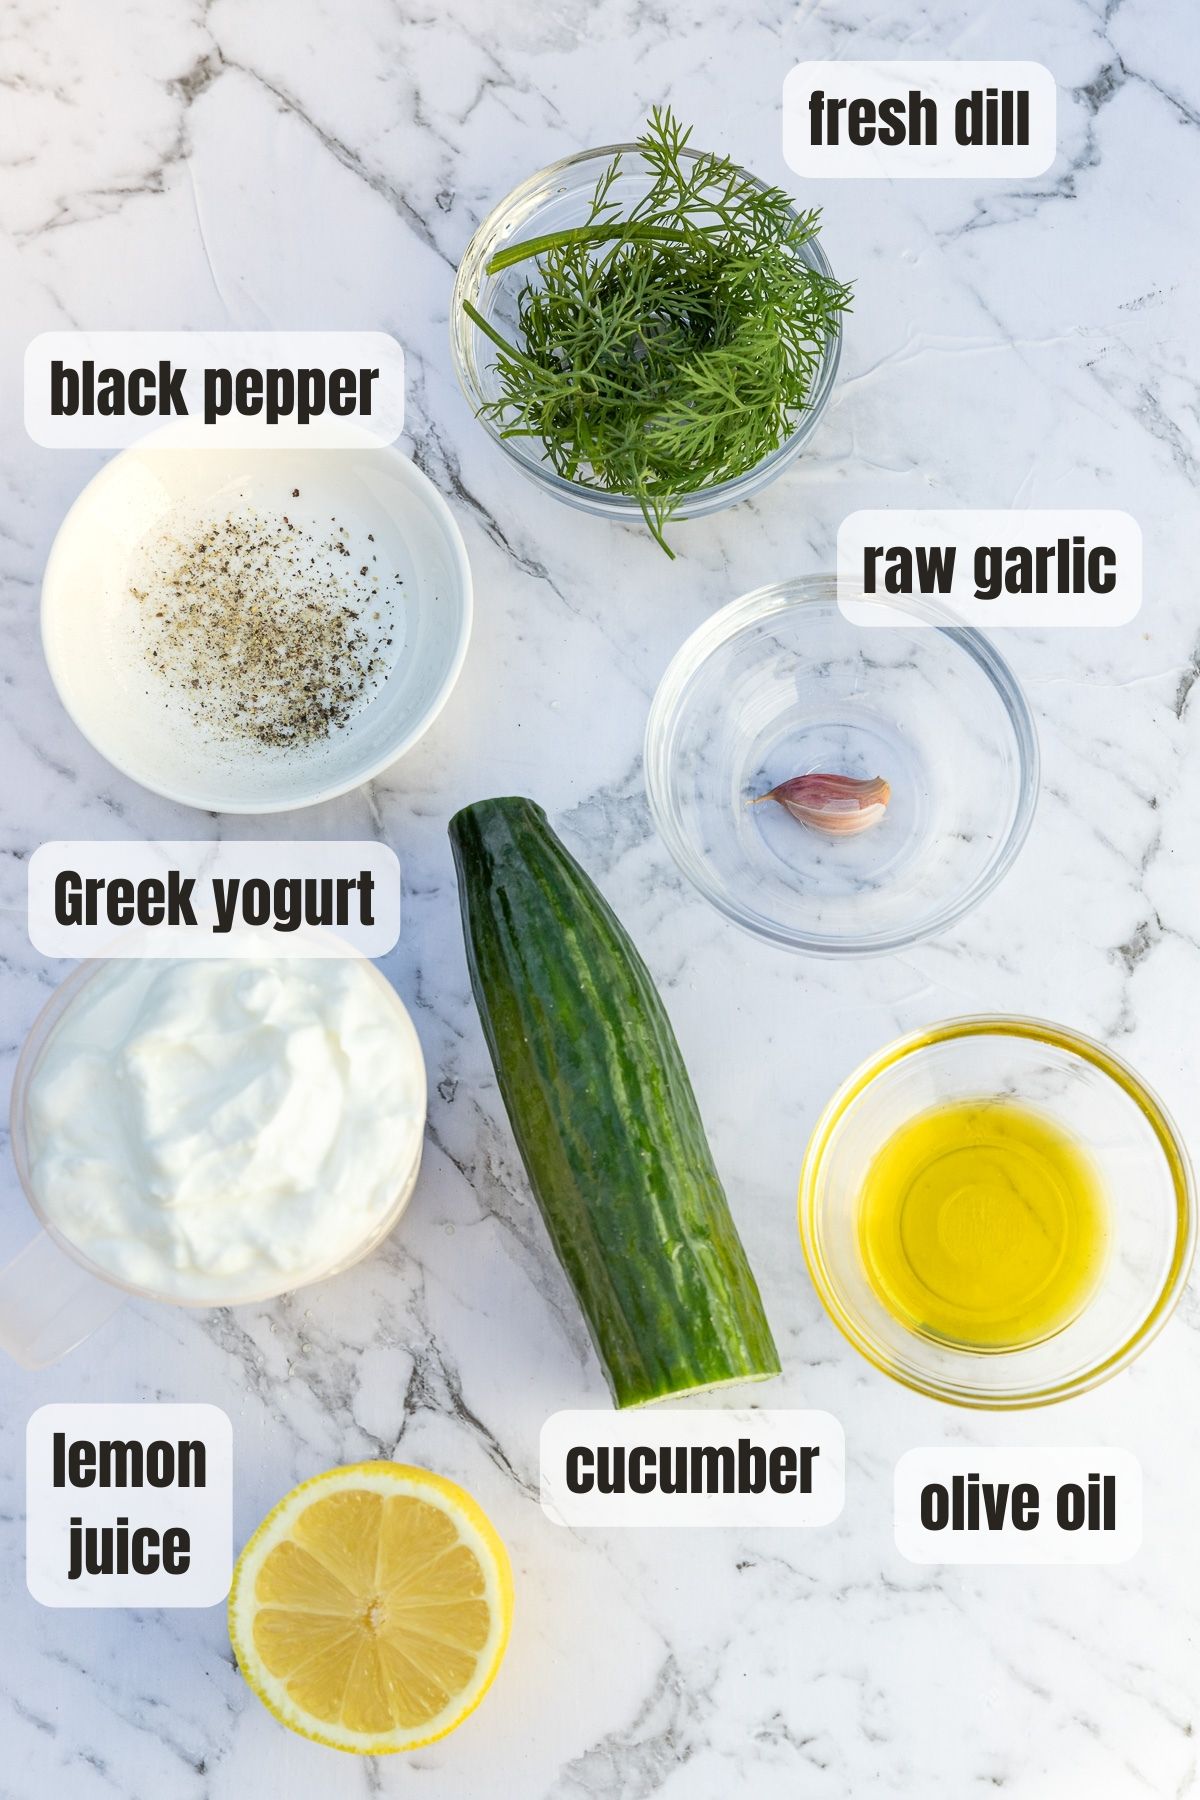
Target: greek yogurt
{"type": "Point", "coordinates": [220, 1131]}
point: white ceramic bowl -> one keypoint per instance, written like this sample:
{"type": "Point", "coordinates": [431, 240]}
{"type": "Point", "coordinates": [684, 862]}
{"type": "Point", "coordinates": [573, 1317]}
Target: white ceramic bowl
{"type": "Point", "coordinates": [99, 667]}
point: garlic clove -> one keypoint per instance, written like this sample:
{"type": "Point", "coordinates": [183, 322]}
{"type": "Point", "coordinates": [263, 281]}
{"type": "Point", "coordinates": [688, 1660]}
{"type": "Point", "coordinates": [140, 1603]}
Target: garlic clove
{"type": "Point", "coordinates": [839, 805]}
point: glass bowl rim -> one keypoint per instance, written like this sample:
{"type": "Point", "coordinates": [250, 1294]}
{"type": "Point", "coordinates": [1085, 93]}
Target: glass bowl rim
{"type": "Point", "coordinates": [472, 271]}
{"type": "Point", "coordinates": [1089, 1050]}
{"type": "Point", "coordinates": [794, 593]}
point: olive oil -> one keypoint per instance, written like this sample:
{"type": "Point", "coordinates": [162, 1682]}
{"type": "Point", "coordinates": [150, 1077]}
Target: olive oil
{"type": "Point", "coordinates": [982, 1224]}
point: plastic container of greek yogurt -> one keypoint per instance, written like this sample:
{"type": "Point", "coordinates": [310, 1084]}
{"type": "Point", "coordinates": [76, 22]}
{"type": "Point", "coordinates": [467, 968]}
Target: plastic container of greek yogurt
{"type": "Point", "coordinates": [206, 1133]}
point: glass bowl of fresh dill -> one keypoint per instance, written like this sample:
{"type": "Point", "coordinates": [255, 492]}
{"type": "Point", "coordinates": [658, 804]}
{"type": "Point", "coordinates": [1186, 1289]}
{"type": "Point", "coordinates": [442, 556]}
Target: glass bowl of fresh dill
{"type": "Point", "coordinates": [650, 332]}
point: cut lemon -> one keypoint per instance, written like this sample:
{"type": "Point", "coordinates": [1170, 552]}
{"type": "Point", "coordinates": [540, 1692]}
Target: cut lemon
{"type": "Point", "coordinates": [371, 1609]}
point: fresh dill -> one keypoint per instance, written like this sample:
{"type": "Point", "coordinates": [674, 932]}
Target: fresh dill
{"type": "Point", "coordinates": [672, 348]}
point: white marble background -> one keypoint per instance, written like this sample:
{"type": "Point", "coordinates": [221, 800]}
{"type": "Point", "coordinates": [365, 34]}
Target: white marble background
{"type": "Point", "coordinates": [247, 163]}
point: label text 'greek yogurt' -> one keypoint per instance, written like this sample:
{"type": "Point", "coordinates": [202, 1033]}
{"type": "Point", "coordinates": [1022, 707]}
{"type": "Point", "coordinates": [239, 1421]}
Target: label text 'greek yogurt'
{"type": "Point", "coordinates": [214, 898]}
{"type": "Point", "coordinates": [128, 1505]}
{"type": "Point", "coordinates": [1018, 1505]}
{"type": "Point", "coordinates": [668, 1466]}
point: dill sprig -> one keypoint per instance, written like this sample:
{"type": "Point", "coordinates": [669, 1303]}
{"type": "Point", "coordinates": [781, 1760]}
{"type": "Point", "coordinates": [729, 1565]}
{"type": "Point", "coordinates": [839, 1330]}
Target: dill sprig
{"type": "Point", "coordinates": [674, 347]}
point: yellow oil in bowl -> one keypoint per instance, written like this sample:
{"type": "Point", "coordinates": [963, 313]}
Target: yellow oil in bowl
{"type": "Point", "coordinates": [982, 1224]}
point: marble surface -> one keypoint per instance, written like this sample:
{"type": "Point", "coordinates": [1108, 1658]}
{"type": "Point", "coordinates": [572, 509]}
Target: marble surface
{"type": "Point", "coordinates": [247, 163]}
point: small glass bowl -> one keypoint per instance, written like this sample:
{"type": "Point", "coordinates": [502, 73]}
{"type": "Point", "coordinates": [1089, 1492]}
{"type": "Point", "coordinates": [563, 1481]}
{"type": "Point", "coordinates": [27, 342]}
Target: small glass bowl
{"type": "Point", "coordinates": [780, 684]}
{"type": "Point", "coordinates": [558, 199]}
{"type": "Point", "coordinates": [1094, 1098]}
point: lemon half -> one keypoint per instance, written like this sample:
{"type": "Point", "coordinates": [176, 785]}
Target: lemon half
{"type": "Point", "coordinates": [371, 1608]}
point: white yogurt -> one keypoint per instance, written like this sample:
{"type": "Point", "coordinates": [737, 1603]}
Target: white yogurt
{"type": "Point", "coordinates": [221, 1131]}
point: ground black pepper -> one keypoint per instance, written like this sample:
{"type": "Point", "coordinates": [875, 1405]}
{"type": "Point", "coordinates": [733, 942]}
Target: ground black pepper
{"type": "Point", "coordinates": [248, 622]}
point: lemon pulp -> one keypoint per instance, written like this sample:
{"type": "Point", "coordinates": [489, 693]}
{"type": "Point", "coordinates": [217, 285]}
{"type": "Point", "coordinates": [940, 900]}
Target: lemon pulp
{"type": "Point", "coordinates": [371, 1609]}
{"type": "Point", "coordinates": [982, 1224]}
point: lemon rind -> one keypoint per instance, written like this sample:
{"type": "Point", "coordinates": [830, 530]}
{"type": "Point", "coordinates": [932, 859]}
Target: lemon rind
{"type": "Point", "coordinates": [476, 1531]}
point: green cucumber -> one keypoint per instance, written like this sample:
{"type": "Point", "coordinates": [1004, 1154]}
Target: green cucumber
{"type": "Point", "coordinates": [604, 1115]}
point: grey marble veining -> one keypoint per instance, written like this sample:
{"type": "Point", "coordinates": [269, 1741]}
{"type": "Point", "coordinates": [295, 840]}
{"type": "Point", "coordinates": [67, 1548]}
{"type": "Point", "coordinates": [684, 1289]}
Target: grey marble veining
{"type": "Point", "coordinates": [248, 163]}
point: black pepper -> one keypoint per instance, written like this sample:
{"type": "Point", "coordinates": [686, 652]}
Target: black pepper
{"type": "Point", "coordinates": [266, 645]}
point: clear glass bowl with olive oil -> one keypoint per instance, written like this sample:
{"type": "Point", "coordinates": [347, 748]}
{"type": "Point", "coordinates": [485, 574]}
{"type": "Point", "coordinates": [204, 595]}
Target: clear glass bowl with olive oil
{"type": "Point", "coordinates": [997, 1212]}
{"type": "Point", "coordinates": [983, 1225]}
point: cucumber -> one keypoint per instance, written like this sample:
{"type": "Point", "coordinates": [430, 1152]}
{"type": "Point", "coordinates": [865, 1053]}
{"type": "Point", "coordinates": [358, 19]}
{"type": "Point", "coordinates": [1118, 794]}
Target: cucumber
{"type": "Point", "coordinates": [604, 1115]}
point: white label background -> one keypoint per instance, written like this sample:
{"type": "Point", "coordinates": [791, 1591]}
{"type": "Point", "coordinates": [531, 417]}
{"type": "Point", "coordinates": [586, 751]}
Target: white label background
{"type": "Point", "coordinates": [966, 528]}
{"type": "Point", "coordinates": [655, 1426]}
{"type": "Point", "coordinates": [197, 351]}
{"type": "Point", "coordinates": [945, 83]}
{"type": "Point", "coordinates": [1047, 1542]}
{"type": "Point", "coordinates": [269, 859]}
{"type": "Point", "coordinates": [205, 1513]}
